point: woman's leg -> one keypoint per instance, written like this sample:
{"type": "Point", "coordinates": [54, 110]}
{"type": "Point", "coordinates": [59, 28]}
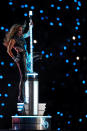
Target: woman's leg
{"type": "Point", "coordinates": [20, 83]}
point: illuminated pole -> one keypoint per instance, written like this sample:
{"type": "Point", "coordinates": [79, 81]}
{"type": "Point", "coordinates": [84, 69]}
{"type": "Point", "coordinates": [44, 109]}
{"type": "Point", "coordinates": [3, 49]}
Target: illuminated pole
{"type": "Point", "coordinates": [31, 42]}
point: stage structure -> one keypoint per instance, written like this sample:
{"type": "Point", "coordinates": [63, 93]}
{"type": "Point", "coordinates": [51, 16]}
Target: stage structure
{"type": "Point", "coordinates": [32, 111]}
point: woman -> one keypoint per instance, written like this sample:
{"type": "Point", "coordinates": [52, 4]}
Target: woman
{"type": "Point", "coordinates": [15, 40]}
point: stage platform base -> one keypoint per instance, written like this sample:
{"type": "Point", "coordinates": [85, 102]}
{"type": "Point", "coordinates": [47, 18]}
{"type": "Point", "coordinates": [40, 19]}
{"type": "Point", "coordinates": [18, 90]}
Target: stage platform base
{"type": "Point", "coordinates": [31, 122]}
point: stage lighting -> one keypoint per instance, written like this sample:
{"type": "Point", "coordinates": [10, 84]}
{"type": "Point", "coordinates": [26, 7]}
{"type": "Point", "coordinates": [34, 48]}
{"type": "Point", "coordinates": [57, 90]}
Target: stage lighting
{"type": "Point", "coordinates": [69, 122]}
{"type": "Point", "coordinates": [86, 91]}
{"type": "Point", "coordinates": [60, 24]}
{"type": "Point", "coordinates": [67, 74]}
{"type": "Point", "coordinates": [52, 5]}
{"type": "Point", "coordinates": [67, 7]}
{"type": "Point", "coordinates": [74, 44]}
{"type": "Point", "coordinates": [1, 116]}
{"type": "Point", "coordinates": [74, 63]}
{"type": "Point", "coordinates": [35, 41]}
{"type": "Point", "coordinates": [58, 19]}
{"type": "Point", "coordinates": [51, 54]}
{"type": "Point", "coordinates": [43, 52]}
{"type": "Point", "coordinates": [83, 81]}
{"type": "Point", "coordinates": [61, 114]}
{"type": "Point", "coordinates": [1, 77]}
{"type": "Point", "coordinates": [0, 94]}
{"type": "Point", "coordinates": [2, 63]}
{"type": "Point", "coordinates": [79, 43]}
{"type": "Point", "coordinates": [51, 23]}
{"type": "Point", "coordinates": [9, 85]}
{"type": "Point", "coordinates": [42, 18]}
{"type": "Point", "coordinates": [6, 30]}
{"type": "Point", "coordinates": [58, 113]}
{"type": "Point", "coordinates": [26, 6]}
{"type": "Point", "coordinates": [47, 56]}
{"type": "Point", "coordinates": [77, 8]}
{"type": "Point", "coordinates": [76, 70]}
{"type": "Point", "coordinates": [10, 3]}
{"type": "Point", "coordinates": [65, 47]}
{"type": "Point", "coordinates": [2, 28]}
{"type": "Point", "coordinates": [76, 28]}
{"type": "Point", "coordinates": [6, 95]}
{"type": "Point", "coordinates": [58, 7]}
{"type": "Point", "coordinates": [22, 6]}
{"type": "Point", "coordinates": [79, 36]}
{"type": "Point", "coordinates": [61, 53]}
{"type": "Point", "coordinates": [58, 129]}
{"type": "Point", "coordinates": [11, 64]}
{"type": "Point", "coordinates": [41, 11]}
{"type": "Point", "coordinates": [67, 61]}
{"type": "Point", "coordinates": [77, 58]}
{"type": "Point", "coordinates": [25, 14]}
{"type": "Point", "coordinates": [32, 7]}
{"type": "Point", "coordinates": [78, 23]}
{"type": "Point", "coordinates": [74, 38]}
{"type": "Point", "coordinates": [2, 104]}
{"type": "Point", "coordinates": [80, 120]}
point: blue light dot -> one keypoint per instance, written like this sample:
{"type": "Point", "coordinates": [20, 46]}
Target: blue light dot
{"type": "Point", "coordinates": [6, 30]}
{"type": "Point", "coordinates": [32, 7]}
{"type": "Point", "coordinates": [67, 7]}
{"type": "Point", "coordinates": [60, 24]}
{"type": "Point", "coordinates": [77, 19]}
{"type": "Point", "coordinates": [58, 113]}
{"type": "Point", "coordinates": [16, 114]}
{"type": "Point", "coordinates": [11, 64]}
{"type": "Point", "coordinates": [42, 18]}
{"type": "Point", "coordinates": [22, 6]}
{"type": "Point", "coordinates": [2, 28]}
{"type": "Point", "coordinates": [65, 47]}
{"type": "Point", "coordinates": [74, 63]}
{"type": "Point", "coordinates": [58, 7]}
{"type": "Point", "coordinates": [46, 17]}
{"type": "Point", "coordinates": [78, 23]}
{"type": "Point", "coordinates": [1, 116]}
{"type": "Point", "coordinates": [80, 120]}
{"type": "Point", "coordinates": [83, 81]}
{"type": "Point", "coordinates": [86, 116]}
{"type": "Point", "coordinates": [67, 61]}
{"type": "Point", "coordinates": [79, 36]}
{"type": "Point", "coordinates": [60, 0]}
{"type": "Point", "coordinates": [52, 89]}
{"type": "Point", "coordinates": [43, 52]}
{"type": "Point", "coordinates": [86, 91]}
{"type": "Point", "coordinates": [47, 56]}
{"type": "Point", "coordinates": [2, 104]}
{"type": "Point", "coordinates": [67, 74]}
{"type": "Point", "coordinates": [76, 28]}
{"type": "Point", "coordinates": [41, 11]}
{"type": "Point", "coordinates": [61, 53]}
{"type": "Point", "coordinates": [51, 54]}
{"type": "Point", "coordinates": [1, 77]}
{"type": "Point", "coordinates": [6, 95]}
{"type": "Point", "coordinates": [79, 43]}
{"type": "Point", "coordinates": [68, 122]}
{"type": "Point", "coordinates": [51, 23]}
{"type": "Point", "coordinates": [77, 8]}
{"type": "Point", "coordinates": [10, 3]}
{"type": "Point", "coordinates": [52, 5]}
{"type": "Point", "coordinates": [58, 19]}
{"type": "Point", "coordinates": [9, 85]}
{"type": "Point", "coordinates": [75, 0]}
{"type": "Point", "coordinates": [58, 129]}
{"type": "Point", "coordinates": [0, 94]}
{"type": "Point", "coordinates": [25, 14]}
{"type": "Point", "coordinates": [61, 114]}
{"type": "Point", "coordinates": [26, 6]}
{"type": "Point", "coordinates": [76, 70]}
{"type": "Point", "coordinates": [79, 3]}
{"type": "Point", "coordinates": [2, 63]}
{"type": "Point", "coordinates": [74, 44]}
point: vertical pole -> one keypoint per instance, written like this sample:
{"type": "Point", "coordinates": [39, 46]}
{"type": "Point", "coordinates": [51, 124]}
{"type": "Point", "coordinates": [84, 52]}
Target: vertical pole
{"type": "Point", "coordinates": [31, 42]}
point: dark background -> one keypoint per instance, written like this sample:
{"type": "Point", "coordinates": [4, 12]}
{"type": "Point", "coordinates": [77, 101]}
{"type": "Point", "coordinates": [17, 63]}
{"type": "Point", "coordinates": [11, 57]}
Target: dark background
{"type": "Point", "coordinates": [61, 93]}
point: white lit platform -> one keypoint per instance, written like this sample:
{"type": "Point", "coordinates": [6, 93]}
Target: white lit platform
{"type": "Point", "coordinates": [31, 122]}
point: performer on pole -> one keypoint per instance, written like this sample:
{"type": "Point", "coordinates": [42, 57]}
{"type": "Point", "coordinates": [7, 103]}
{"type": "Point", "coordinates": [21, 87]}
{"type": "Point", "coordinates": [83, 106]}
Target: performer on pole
{"type": "Point", "coordinates": [15, 40]}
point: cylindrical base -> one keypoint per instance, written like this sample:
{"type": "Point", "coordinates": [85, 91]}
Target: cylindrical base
{"type": "Point", "coordinates": [31, 122]}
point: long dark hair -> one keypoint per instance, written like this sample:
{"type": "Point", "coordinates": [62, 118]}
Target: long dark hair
{"type": "Point", "coordinates": [13, 31]}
